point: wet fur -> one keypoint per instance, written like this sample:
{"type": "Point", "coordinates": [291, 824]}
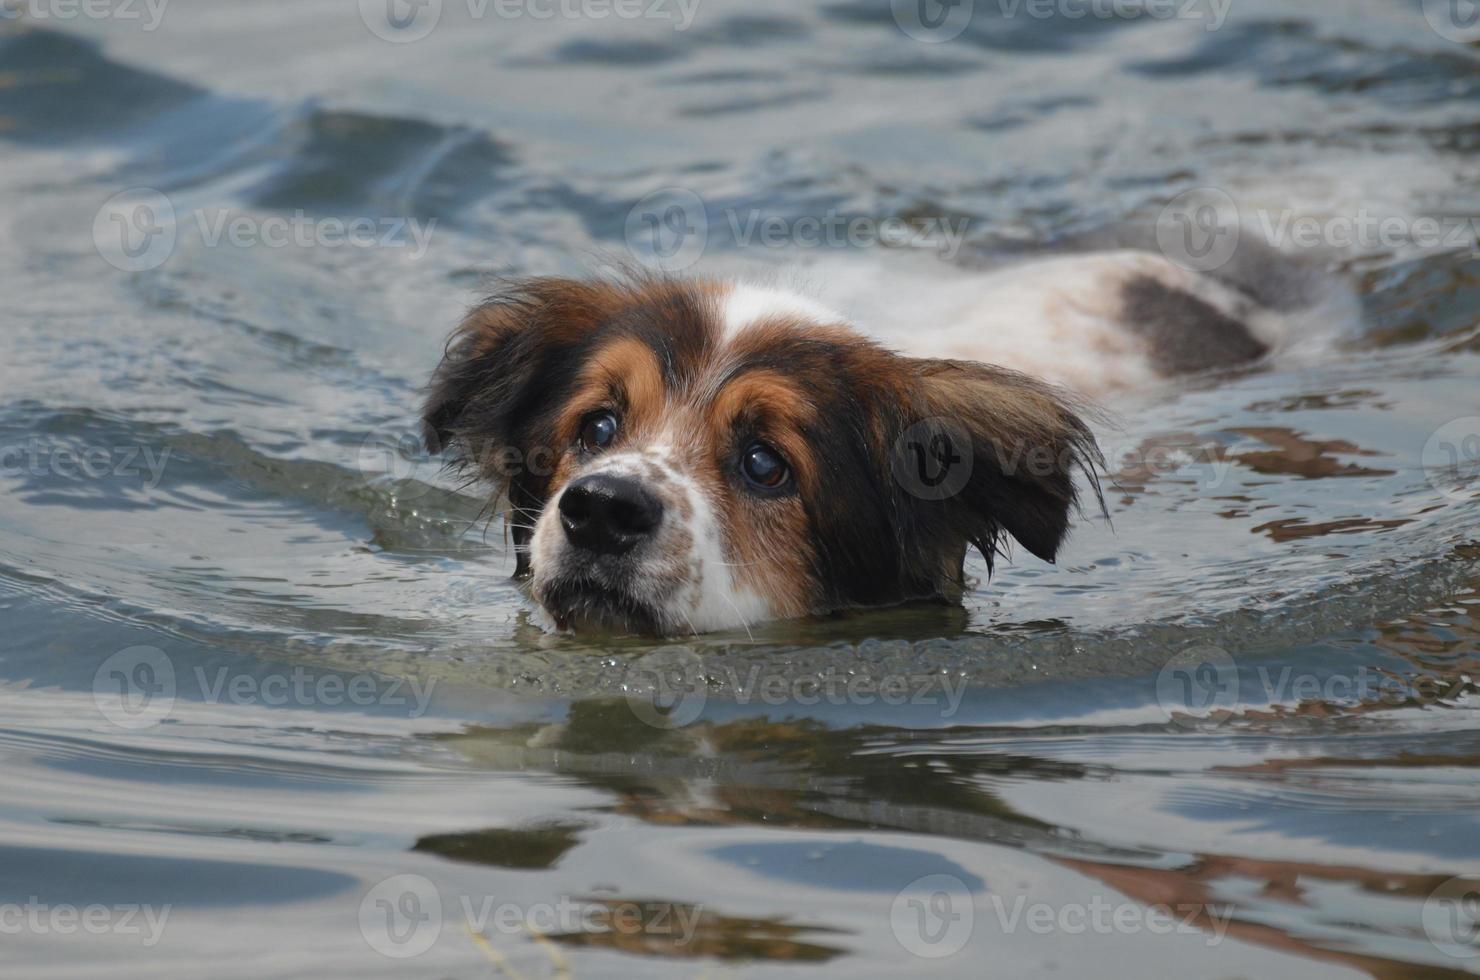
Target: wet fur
{"type": "Point", "coordinates": [529, 359]}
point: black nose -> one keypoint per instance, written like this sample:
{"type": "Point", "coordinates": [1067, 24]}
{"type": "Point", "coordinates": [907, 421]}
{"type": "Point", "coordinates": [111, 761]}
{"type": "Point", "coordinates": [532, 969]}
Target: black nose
{"type": "Point", "coordinates": [608, 514]}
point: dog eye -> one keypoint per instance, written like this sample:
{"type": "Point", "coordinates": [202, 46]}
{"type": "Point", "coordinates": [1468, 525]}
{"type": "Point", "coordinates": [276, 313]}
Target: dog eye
{"type": "Point", "coordinates": [598, 431]}
{"type": "Point", "coordinates": [763, 466]}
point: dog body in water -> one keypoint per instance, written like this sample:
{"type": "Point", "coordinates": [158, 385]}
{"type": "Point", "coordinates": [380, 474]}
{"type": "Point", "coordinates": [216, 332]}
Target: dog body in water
{"type": "Point", "coordinates": [689, 455]}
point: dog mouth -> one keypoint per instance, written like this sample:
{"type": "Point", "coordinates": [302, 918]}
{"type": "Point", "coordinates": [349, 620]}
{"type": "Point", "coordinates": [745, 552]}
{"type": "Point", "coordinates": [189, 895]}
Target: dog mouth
{"type": "Point", "coordinates": [581, 604]}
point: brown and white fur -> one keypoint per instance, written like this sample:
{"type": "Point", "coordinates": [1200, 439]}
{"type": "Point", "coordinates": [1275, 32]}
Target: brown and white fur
{"type": "Point", "coordinates": [663, 530]}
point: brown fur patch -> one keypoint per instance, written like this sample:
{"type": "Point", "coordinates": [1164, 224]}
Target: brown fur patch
{"type": "Point", "coordinates": [526, 368]}
{"type": "Point", "coordinates": [774, 407]}
{"type": "Point", "coordinates": [767, 538]}
{"type": "Point", "coordinates": [622, 375]}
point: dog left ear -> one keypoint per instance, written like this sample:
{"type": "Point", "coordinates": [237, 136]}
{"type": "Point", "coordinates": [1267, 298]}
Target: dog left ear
{"type": "Point", "coordinates": [997, 452]}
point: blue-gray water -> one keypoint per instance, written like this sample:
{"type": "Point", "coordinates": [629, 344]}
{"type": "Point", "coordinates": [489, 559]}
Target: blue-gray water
{"type": "Point", "coordinates": [260, 662]}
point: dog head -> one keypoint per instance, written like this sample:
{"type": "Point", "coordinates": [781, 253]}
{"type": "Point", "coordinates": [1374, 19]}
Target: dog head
{"type": "Point", "coordinates": [685, 456]}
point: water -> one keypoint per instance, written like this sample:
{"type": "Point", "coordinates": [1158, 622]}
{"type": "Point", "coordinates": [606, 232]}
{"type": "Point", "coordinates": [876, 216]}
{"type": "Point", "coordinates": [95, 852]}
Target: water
{"type": "Point", "coordinates": [261, 661]}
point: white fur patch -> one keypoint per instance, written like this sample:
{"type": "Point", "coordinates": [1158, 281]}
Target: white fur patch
{"type": "Point", "coordinates": [716, 600]}
{"type": "Point", "coordinates": [683, 572]}
{"type": "Point", "coordinates": [746, 306]}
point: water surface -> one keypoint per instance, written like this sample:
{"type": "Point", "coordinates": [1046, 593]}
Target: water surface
{"type": "Point", "coordinates": [262, 660]}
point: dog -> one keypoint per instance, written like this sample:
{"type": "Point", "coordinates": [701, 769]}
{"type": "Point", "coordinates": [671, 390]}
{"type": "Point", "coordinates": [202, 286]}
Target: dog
{"type": "Point", "coordinates": [692, 455]}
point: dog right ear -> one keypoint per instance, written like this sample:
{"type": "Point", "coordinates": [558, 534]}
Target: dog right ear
{"type": "Point", "coordinates": [490, 402]}
{"type": "Point", "coordinates": [501, 362]}
{"type": "Point", "coordinates": [469, 381]}
{"type": "Point", "coordinates": [1017, 444]}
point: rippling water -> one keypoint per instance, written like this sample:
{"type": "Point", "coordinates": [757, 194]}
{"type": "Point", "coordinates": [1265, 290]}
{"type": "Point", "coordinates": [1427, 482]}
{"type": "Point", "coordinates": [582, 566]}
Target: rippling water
{"type": "Point", "coordinates": [261, 660]}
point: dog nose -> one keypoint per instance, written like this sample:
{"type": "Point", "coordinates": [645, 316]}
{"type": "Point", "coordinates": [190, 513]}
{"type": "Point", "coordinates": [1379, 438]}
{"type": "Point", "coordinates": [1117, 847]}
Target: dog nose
{"type": "Point", "coordinates": [608, 514]}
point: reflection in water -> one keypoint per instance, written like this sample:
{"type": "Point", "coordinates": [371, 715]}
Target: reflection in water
{"type": "Point", "coordinates": [981, 783]}
{"type": "Point", "coordinates": [1293, 529]}
{"type": "Point", "coordinates": [1315, 401]}
{"type": "Point", "coordinates": [1295, 455]}
{"type": "Point", "coordinates": [647, 927]}
{"type": "Point", "coordinates": [1287, 890]}
{"type": "Point", "coordinates": [527, 848]}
